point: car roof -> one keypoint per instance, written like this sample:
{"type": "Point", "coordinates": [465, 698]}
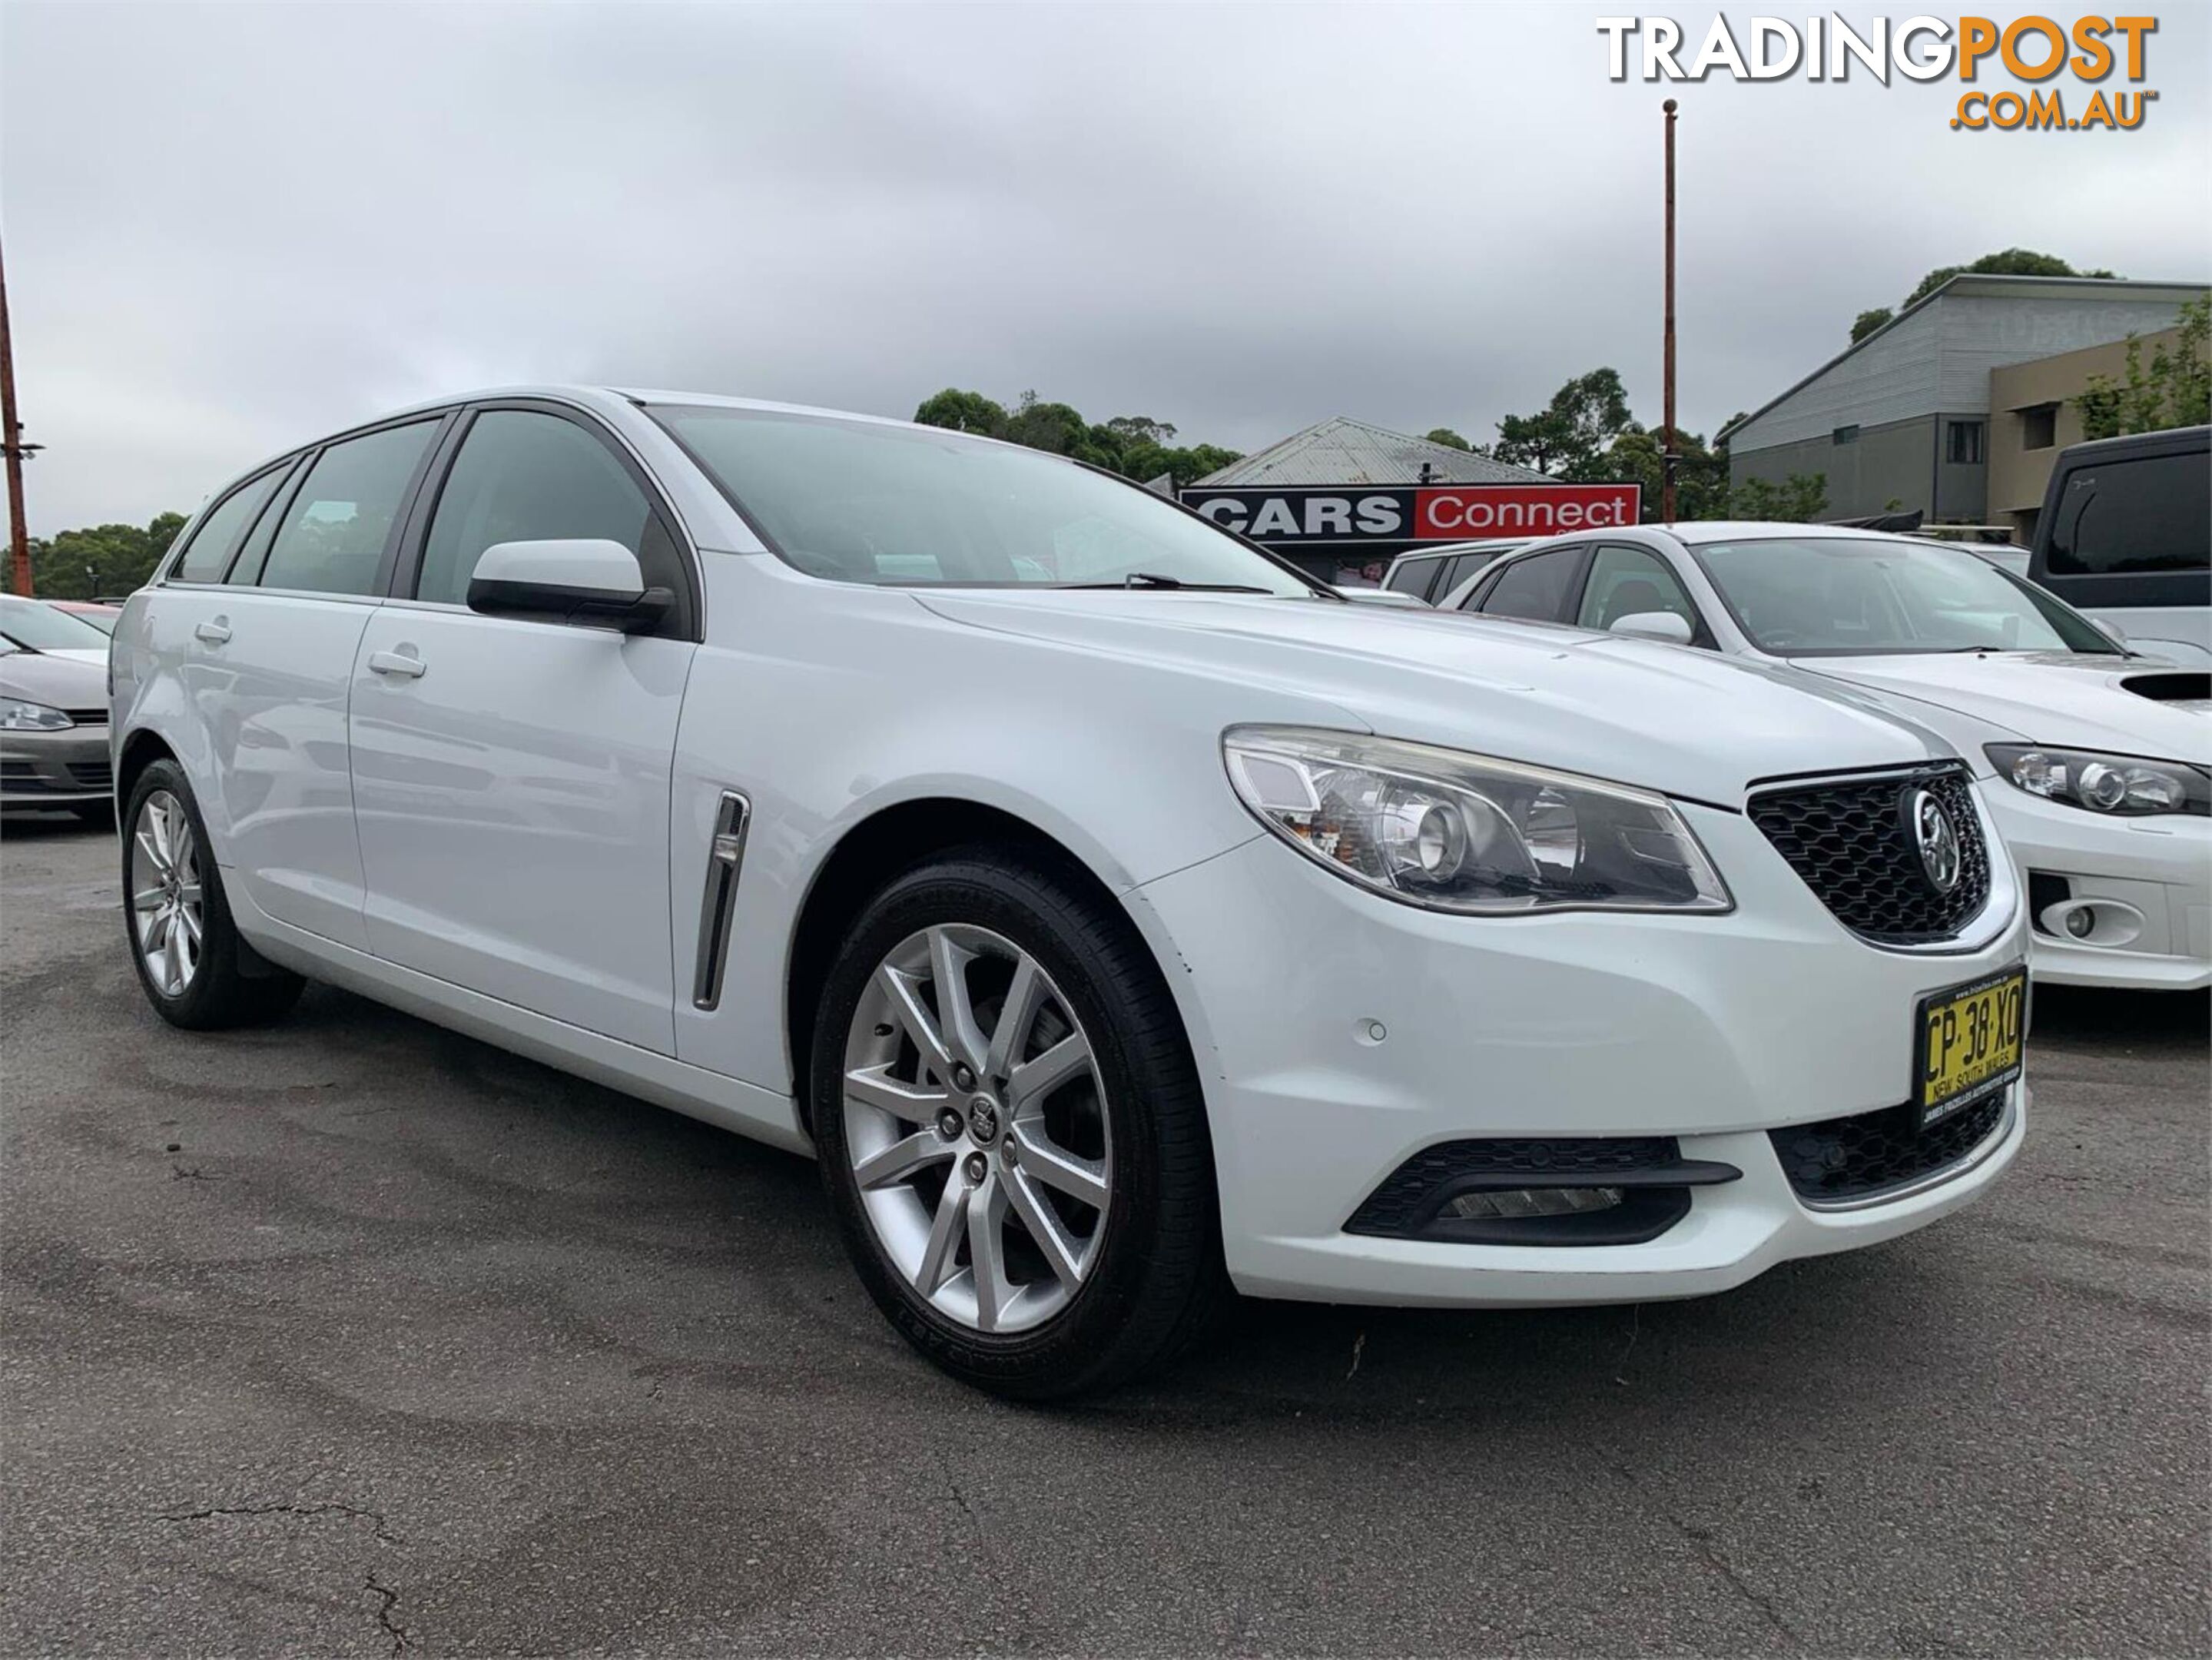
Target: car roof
{"type": "Point", "coordinates": [2165, 440]}
{"type": "Point", "coordinates": [602, 395]}
{"type": "Point", "coordinates": [1443, 549]}
{"type": "Point", "coordinates": [1703, 532]}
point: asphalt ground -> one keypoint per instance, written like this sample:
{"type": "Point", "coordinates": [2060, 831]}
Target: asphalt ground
{"type": "Point", "coordinates": [352, 1337]}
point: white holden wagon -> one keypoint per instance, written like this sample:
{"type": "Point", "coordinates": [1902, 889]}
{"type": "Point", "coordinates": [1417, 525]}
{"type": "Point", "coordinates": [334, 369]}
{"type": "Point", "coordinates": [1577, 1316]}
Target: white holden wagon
{"type": "Point", "coordinates": [1117, 916]}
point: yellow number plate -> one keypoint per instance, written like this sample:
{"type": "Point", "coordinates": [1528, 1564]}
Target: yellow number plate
{"type": "Point", "coordinates": [1969, 1042]}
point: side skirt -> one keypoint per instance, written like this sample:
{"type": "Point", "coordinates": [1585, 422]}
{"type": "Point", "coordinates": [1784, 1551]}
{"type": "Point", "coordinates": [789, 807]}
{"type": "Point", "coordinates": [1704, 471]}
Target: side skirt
{"type": "Point", "coordinates": [762, 1115]}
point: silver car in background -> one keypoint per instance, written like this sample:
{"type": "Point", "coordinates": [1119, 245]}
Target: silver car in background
{"type": "Point", "coordinates": [53, 732]}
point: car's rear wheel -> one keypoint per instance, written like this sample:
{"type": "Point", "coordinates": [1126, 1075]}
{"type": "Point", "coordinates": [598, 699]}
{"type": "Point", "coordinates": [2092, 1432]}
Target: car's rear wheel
{"type": "Point", "coordinates": [1012, 1130]}
{"type": "Point", "coordinates": [186, 949]}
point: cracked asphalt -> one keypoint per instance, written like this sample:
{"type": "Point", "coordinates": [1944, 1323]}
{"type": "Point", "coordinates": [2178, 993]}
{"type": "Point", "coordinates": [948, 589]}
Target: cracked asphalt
{"type": "Point", "coordinates": [352, 1337]}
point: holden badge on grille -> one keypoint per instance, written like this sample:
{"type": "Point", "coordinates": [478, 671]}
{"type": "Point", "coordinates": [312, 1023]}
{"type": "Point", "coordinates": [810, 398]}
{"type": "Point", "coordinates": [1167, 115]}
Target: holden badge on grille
{"type": "Point", "coordinates": [1938, 840]}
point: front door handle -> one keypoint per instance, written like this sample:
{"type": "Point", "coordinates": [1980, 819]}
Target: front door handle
{"type": "Point", "coordinates": [215, 633]}
{"type": "Point", "coordinates": [399, 663]}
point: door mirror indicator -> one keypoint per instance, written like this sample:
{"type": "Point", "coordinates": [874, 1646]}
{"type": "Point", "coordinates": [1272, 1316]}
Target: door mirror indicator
{"type": "Point", "coordinates": [1662, 625]}
{"type": "Point", "coordinates": [589, 581]}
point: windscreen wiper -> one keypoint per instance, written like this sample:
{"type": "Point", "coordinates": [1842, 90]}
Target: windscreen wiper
{"type": "Point", "coordinates": [1146, 579]}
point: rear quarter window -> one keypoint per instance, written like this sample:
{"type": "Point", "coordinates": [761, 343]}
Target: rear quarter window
{"type": "Point", "coordinates": [208, 552]}
{"type": "Point", "coordinates": [2135, 514]}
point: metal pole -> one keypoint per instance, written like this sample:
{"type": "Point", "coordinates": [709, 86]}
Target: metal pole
{"type": "Point", "coordinates": [11, 441]}
{"type": "Point", "coordinates": [1669, 459]}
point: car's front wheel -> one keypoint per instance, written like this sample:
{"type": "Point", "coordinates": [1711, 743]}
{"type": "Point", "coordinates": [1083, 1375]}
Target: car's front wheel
{"type": "Point", "coordinates": [196, 972]}
{"type": "Point", "coordinates": [1012, 1130]}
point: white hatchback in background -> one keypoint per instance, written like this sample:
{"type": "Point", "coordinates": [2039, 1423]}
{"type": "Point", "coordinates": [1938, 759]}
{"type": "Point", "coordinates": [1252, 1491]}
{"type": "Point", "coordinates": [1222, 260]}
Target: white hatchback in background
{"type": "Point", "coordinates": [34, 625]}
{"type": "Point", "coordinates": [2100, 760]}
{"type": "Point", "coordinates": [1106, 904]}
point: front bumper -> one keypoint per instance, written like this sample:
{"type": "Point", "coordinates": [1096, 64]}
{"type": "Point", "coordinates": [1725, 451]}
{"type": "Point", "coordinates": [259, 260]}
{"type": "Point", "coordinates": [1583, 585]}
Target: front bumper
{"type": "Point", "coordinates": [1341, 1033]}
{"type": "Point", "coordinates": [2145, 885]}
{"type": "Point", "coordinates": [65, 769]}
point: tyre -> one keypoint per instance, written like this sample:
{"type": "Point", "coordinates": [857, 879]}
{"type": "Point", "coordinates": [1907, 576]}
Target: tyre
{"type": "Point", "coordinates": [187, 952]}
{"type": "Point", "coordinates": [1011, 1131]}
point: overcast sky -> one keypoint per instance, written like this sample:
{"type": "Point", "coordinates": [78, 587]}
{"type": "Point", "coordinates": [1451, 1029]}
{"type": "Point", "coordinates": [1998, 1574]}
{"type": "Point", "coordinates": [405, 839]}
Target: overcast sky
{"type": "Point", "coordinates": [229, 229]}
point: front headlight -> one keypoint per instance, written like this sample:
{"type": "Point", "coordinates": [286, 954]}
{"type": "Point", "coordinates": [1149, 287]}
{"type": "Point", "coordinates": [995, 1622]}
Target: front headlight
{"type": "Point", "coordinates": [16, 715]}
{"type": "Point", "coordinates": [1460, 832]}
{"type": "Point", "coordinates": [2124, 786]}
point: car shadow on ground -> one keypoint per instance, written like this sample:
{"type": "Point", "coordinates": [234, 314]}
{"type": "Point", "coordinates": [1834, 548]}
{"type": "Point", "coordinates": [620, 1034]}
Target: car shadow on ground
{"type": "Point", "coordinates": [1875, 1316]}
{"type": "Point", "coordinates": [1909, 1309]}
{"type": "Point", "coordinates": [2178, 1020]}
{"type": "Point", "coordinates": [34, 825]}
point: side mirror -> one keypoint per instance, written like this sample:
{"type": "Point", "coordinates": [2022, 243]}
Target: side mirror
{"type": "Point", "coordinates": [1663, 625]}
{"type": "Point", "coordinates": [2106, 624]}
{"type": "Point", "coordinates": [586, 581]}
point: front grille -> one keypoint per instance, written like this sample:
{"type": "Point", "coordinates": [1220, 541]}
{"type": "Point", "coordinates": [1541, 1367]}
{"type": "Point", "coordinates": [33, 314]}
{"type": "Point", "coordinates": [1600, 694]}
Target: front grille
{"type": "Point", "coordinates": [1841, 1159]}
{"type": "Point", "coordinates": [92, 775]}
{"type": "Point", "coordinates": [1852, 841]}
{"type": "Point", "coordinates": [87, 717]}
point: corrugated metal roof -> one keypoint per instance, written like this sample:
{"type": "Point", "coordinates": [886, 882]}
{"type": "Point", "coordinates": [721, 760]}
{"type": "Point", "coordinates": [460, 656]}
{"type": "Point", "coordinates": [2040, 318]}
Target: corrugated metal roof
{"type": "Point", "coordinates": [1343, 451]}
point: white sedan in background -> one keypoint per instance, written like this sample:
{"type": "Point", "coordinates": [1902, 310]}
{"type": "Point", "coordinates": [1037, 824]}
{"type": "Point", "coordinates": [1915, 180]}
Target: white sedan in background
{"type": "Point", "coordinates": [2102, 758]}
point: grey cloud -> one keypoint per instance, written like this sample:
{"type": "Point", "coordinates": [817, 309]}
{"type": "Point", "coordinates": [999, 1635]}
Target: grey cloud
{"type": "Point", "coordinates": [230, 227]}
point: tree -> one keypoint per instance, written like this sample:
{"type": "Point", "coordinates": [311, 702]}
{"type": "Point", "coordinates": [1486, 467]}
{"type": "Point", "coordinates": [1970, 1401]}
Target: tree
{"type": "Point", "coordinates": [1800, 499]}
{"type": "Point", "coordinates": [1868, 321]}
{"type": "Point", "coordinates": [962, 411]}
{"type": "Point", "coordinates": [99, 559]}
{"type": "Point", "coordinates": [1132, 429]}
{"type": "Point", "coordinates": [2010, 262]}
{"type": "Point", "coordinates": [1567, 436]}
{"type": "Point", "coordinates": [2175, 391]}
{"type": "Point", "coordinates": [1447, 438]}
{"type": "Point", "coordinates": [1701, 489]}
{"type": "Point", "coordinates": [1055, 428]}
{"type": "Point", "coordinates": [1135, 446]}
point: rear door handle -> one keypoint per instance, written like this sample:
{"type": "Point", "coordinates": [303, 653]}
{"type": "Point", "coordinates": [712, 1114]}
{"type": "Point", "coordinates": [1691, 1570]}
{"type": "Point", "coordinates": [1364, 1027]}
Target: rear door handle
{"type": "Point", "coordinates": [215, 633]}
{"type": "Point", "coordinates": [399, 663]}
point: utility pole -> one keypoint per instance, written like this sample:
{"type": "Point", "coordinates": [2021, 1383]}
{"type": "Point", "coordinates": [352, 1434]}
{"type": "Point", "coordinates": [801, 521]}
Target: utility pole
{"type": "Point", "coordinates": [1670, 458]}
{"type": "Point", "coordinates": [12, 444]}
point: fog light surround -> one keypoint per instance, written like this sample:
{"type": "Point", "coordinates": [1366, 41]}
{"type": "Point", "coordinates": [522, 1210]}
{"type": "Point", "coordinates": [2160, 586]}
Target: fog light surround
{"type": "Point", "coordinates": [1541, 1191]}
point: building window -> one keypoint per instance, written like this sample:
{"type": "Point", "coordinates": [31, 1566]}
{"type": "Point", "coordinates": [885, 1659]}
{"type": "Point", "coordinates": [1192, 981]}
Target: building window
{"type": "Point", "coordinates": [2038, 426]}
{"type": "Point", "coordinates": [1847, 434]}
{"type": "Point", "coordinates": [1963, 445]}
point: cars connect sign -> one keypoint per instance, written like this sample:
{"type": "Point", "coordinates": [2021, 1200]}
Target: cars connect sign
{"type": "Point", "coordinates": [1351, 516]}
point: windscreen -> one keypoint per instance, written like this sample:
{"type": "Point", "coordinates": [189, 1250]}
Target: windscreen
{"type": "Point", "coordinates": [42, 627]}
{"type": "Point", "coordinates": [903, 506]}
{"type": "Point", "coordinates": [1844, 596]}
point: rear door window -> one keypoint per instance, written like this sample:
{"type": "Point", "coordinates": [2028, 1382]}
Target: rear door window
{"type": "Point", "coordinates": [2136, 515]}
{"type": "Point", "coordinates": [1461, 567]}
{"type": "Point", "coordinates": [341, 519]}
{"type": "Point", "coordinates": [1412, 576]}
{"type": "Point", "coordinates": [1534, 589]}
{"type": "Point", "coordinates": [208, 554]}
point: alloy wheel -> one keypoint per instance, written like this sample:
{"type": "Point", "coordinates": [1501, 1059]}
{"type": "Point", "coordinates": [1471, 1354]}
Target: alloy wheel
{"type": "Point", "coordinates": [976, 1127]}
{"type": "Point", "coordinates": [167, 904]}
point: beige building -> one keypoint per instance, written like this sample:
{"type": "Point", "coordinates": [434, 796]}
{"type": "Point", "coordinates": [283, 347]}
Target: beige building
{"type": "Point", "coordinates": [2034, 413]}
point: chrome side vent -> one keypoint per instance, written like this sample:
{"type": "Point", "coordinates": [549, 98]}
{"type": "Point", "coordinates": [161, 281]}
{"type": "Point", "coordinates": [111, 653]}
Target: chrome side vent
{"type": "Point", "coordinates": [725, 856]}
